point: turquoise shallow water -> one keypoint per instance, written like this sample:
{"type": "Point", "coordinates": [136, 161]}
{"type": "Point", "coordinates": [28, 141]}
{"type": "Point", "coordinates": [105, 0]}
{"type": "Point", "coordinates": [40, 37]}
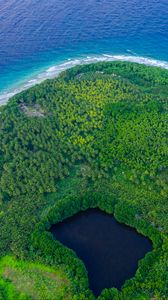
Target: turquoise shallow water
{"type": "Point", "coordinates": [37, 35]}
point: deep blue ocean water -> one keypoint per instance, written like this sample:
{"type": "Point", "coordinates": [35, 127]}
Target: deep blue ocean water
{"type": "Point", "coordinates": [38, 38]}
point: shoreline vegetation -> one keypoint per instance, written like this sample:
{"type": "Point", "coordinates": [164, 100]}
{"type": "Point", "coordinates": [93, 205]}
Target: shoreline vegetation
{"type": "Point", "coordinates": [101, 141]}
{"type": "Point", "coordinates": [54, 70]}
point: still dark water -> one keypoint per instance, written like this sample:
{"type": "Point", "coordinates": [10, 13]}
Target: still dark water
{"type": "Point", "coordinates": [109, 250]}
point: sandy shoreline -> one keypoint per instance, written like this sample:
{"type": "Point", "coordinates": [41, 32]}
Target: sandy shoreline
{"type": "Point", "coordinates": [55, 70]}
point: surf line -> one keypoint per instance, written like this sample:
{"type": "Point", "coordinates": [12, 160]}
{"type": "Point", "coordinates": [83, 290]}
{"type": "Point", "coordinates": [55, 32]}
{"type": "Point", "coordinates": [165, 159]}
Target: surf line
{"type": "Point", "coordinates": [55, 70]}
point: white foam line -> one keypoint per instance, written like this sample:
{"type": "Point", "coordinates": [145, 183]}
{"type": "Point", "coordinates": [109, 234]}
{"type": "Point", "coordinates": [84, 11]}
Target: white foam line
{"type": "Point", "coordinates": [57, 69]}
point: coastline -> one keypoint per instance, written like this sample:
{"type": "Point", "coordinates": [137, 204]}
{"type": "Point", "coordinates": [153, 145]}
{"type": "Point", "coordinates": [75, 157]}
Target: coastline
{"type": "Point", "coordinates": [55, 70]}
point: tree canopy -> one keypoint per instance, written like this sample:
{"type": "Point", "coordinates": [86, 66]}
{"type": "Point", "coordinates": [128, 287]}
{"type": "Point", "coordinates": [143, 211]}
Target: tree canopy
{"type": "Point", "coordinates": [98, 133]}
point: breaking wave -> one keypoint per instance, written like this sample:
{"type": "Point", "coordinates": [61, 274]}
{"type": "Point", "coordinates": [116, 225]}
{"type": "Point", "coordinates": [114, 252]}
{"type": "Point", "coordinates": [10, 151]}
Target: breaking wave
{"type": "Point", "coordinates": [55, 70]}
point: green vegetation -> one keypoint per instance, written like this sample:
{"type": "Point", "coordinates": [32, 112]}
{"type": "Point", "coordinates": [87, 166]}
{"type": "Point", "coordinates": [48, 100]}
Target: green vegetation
{"type": "Point", "coordinates": [33, 281]}
{"type": "Point", "coordinates": [96, 136]}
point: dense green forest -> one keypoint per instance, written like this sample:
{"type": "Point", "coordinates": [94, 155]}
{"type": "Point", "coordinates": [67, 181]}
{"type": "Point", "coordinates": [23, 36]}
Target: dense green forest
{"type": "Point", "coordinates": [96, 136]}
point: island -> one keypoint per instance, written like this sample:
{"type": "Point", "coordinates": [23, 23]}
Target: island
{"type": "Point", "coordinates": [94, 138]}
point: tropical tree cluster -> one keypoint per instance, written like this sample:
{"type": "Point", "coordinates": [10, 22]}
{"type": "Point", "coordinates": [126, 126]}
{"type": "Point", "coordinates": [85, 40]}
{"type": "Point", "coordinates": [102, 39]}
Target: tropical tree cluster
{"type": "Point", "coordinates": [96, 136]}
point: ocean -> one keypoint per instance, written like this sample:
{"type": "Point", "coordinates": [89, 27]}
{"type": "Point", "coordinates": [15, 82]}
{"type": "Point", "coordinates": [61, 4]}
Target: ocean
{"type": "Point", "coordinates": [39, 38]}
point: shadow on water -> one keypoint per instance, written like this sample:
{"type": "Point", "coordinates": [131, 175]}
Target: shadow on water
{"type": "Point", "coordinates": [109, 250]}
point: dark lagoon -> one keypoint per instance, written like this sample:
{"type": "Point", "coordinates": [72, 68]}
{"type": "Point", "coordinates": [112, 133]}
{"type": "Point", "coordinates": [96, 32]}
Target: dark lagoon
{"type": "Point", "coordinates": [109, 250]}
